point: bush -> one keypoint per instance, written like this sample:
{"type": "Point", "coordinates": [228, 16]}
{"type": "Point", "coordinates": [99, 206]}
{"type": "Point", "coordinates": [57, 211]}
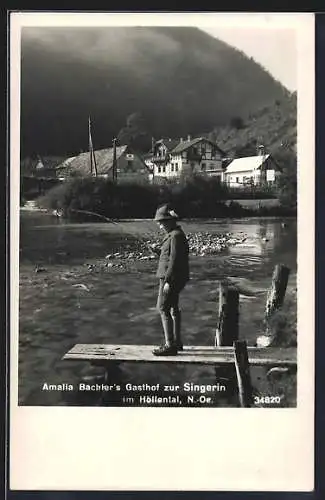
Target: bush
{"type": "Point", "coordinates": [192, 197]}
{"type": "Point", "coordinates": [103, 197]}
{"type": "Point", "coordinates": [287, 181]}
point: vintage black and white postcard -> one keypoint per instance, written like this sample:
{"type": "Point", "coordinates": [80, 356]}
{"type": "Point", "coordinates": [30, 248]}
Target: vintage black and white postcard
{"type": "Point", "coordinates": [162, 229]}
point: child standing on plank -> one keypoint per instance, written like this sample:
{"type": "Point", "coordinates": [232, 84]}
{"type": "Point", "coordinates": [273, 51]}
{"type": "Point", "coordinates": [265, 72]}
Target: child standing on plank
{"type": "Point", "coordinates": [173, 274]}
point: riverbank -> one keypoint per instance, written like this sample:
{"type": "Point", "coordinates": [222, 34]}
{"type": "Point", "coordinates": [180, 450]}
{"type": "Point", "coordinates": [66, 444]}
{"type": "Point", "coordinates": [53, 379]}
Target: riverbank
{"type": "Point", "coordinates": [197, 196]}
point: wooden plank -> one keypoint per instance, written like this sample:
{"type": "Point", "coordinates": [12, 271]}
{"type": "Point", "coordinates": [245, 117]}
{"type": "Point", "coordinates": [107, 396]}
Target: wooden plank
{"type": "Point", "coordinates": [203, 355]}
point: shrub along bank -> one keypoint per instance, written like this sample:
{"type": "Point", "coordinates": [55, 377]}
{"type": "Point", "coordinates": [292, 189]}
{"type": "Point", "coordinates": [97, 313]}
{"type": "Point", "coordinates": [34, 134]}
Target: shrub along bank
{"type": "Point", "coordinates": [192, 198]}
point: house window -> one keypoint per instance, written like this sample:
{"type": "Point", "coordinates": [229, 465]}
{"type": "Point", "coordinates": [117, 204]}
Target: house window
{"type": "Point", "coordinates": [172, 168]}
{"type": "Point", "coordinates": [176, 167]}
{"type": "Point", "coordinates": [237, 180]}
{"type": "Point", "coordinates": [159, 170]}
{"type": "Point", "coordinates": [161, 152]}
{"type": "Point", "coordinates": [164, 169]}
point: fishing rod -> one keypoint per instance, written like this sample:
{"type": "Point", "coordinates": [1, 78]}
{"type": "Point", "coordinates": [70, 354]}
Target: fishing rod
{"type": "Point", "coordinates": [88, 212]}
{"type": "Point", "coordinates": [146, 234]}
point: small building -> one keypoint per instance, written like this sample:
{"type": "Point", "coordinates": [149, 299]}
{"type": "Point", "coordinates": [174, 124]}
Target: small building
{"type": "Point", "coordinates": [38, 175]}
{"type": "Point", "coordinates": [251, 170]}
{"type": "Point", "coordinates": [170, 158]}
{"type": "Point", "coordinates": [129, 165]}
{"type": "Point", "coordinates": [45, 167]}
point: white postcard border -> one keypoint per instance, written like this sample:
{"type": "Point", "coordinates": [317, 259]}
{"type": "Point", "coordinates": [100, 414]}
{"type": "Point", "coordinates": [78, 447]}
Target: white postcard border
{"type": "Point", "coordinates": [68, 448]}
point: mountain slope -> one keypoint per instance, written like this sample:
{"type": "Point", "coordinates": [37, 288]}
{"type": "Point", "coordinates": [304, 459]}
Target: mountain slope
{"type": "Point", "coordinates": [274, 126]}
{"type": "Point", "coordinates": [181, 80]}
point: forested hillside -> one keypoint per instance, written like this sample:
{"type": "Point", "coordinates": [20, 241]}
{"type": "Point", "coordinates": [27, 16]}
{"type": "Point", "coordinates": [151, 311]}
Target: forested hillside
{"type": "Point", "coordinates": [178, 80]}
{"type": "Point", "coordinates": [274, 126]}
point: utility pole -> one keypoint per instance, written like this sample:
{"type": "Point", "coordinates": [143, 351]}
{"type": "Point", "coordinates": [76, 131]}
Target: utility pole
{"type": "Point", "coordinates": [153, 163]}
{"type": "Point", "coordinates": [90, 146]}
{"type": "Point", "coordinates": [114, 160]}
{"type": "Point", "coordinates": [93, 166]}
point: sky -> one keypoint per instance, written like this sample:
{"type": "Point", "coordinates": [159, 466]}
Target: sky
{"type": "Point", "coordinates": [274, 49]}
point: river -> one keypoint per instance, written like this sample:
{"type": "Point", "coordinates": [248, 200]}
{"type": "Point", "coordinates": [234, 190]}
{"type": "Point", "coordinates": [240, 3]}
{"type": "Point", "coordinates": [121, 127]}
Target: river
{"type": "Point", "coordinates": [120, 307]}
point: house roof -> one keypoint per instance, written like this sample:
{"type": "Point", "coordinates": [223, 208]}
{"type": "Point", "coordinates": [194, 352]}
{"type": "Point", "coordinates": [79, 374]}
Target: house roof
{"type": "Point", "coordinates": [39, 165]}
{"type": "Point", "coordinates": [175, 146]}
{"type": "Point", "coordinates": [184, 145]}
{"type": "Point", "coordinates": [246, 164]}
{"type": "Point", "coordinates": [66, 163]}
{"type": "Point", "coordinates": [147, 156]}
{"type": "Point", "coordinates": [47, 162]}
{"type": "Point", "coordinates": [169, 143]}
{"type": "Point", "coordinates": [104, 161]}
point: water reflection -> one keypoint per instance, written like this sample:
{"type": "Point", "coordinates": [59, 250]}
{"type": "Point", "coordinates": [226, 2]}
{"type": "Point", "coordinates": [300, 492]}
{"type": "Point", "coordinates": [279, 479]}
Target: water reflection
{"type": "Point", "coordinates": [266, 238]}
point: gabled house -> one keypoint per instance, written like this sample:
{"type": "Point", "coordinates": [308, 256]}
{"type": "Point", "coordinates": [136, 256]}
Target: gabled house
{"type": "Point", "coordinates": [251, 170]}
{"type": "Point", "coordinates": [158, 158]}
{"type": "Point", "coordinates": [171, 157]}
{"type": "Point", "coordinates": [129, 165]}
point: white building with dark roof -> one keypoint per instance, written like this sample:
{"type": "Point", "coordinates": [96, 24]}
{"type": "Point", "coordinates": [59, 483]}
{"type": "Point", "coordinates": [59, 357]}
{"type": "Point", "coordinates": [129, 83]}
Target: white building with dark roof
{"type": "Point", "coordinates": [251, 170]}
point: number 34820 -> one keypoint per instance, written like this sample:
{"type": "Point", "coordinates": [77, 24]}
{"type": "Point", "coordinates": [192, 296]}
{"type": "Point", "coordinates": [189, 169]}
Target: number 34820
{"type": "Point", "coordinates": [267, 400]}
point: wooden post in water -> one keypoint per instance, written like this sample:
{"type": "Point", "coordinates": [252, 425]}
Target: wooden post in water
{"type": "Point", "coordinates": [274, 301]}
{"type": "Point", "coordinates": [245, 392]}
{"type": "Point", "coordinates": [276, 294]}
{"type": "Point", "coordinates": [227, 328]}
{"type": "Point", "coordinates": [112, 375]}
{"type": "Point", "coordinates": [227, 333]}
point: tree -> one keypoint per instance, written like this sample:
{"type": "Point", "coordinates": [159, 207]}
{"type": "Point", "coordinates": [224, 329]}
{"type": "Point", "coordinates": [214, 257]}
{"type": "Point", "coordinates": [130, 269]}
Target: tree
{"type": "Point", "coordinates": [287, 180]}
{"type": "Point", "coordinates": [237, 122]}
{"type": "Point", "coordinates": [134, 134]}
{"type": "Point", "coordinates": [248, 149]}
{"type": "Point", "coordinates": [27, 166]}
